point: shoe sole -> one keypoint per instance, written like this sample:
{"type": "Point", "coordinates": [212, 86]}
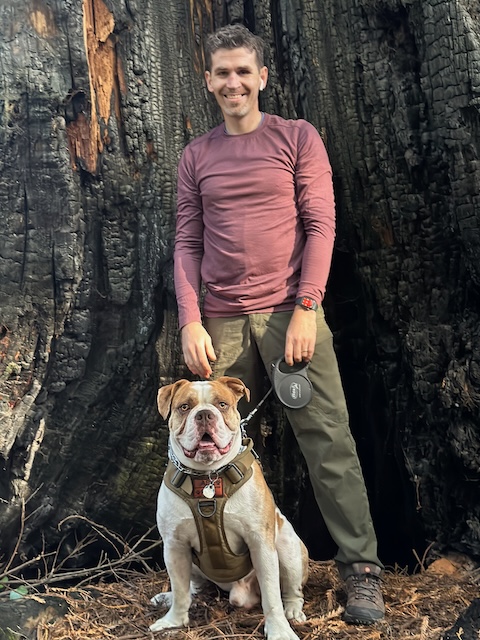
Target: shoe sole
{"type": "Point", "coordinates": [354, 620]}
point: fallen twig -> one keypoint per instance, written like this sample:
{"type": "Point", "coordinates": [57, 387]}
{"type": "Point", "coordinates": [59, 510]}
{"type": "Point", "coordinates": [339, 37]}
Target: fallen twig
{"type": "Point", "coordinates": [52, 571]}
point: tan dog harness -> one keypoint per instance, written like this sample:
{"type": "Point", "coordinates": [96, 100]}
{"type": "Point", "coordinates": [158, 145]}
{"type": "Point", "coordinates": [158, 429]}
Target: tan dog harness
{"type": "Point", "coordinates": [215, 559]}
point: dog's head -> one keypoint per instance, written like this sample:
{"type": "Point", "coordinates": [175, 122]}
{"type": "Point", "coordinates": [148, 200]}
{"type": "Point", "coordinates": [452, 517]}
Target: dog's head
{"type": "Point", "coordinates": [204, 421]}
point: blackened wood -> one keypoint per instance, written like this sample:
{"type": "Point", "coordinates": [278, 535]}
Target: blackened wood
{"type": "Point", "coordinates": [467, 626]}
{"type": "Point", "coordinates": [98, 100]}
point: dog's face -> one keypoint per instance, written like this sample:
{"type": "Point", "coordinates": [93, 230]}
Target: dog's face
{"type": "Point", "coordinates": [204, 421]}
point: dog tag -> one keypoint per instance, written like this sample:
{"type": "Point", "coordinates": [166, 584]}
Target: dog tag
{"type": "Point", "coordinates": [212, 487]}
{"type": "Point", "coordinates": [209, 490]}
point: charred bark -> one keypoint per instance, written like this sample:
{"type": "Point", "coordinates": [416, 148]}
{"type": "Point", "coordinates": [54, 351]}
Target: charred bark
{"type": "Point", "coordinates": [91, 135]}
{"type": "Point", "coordinates": [468, 624]}
{"type": "Point", "coordinates": [98, 100]}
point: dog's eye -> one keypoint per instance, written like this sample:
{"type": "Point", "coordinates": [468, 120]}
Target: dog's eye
{"type": "Point", "coordinates": [223, 405]}
{"type": "Point", "coordinates": [184, 407]}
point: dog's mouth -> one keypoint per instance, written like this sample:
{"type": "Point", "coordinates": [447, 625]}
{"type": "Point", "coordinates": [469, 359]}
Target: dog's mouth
{"type": "Point", "coordinates": [207, 445]}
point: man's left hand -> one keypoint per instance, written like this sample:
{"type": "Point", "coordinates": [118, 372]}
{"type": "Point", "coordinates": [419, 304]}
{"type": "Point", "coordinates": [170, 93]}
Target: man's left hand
{"type": "Point", "coordinates": [301, 336]}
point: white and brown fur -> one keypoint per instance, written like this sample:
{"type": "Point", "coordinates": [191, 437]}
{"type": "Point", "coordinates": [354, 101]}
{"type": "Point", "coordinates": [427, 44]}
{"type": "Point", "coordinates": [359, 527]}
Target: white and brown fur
{"type": "Point", "coordinates": [205, 435]}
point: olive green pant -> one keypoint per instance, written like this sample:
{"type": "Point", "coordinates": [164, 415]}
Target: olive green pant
{"type": "Point", "coordinates": [246, 346]}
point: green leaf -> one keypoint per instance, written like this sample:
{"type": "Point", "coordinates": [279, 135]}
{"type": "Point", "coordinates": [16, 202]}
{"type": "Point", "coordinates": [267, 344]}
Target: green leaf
{"type": "Point", "coordinates": [19, 592]}
{"type": "Point", "coordinates": [3, 582]}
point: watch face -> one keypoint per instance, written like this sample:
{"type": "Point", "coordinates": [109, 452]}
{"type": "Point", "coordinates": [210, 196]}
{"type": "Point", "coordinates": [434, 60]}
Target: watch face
{"type": "Point", "coordinates": [307, 303]}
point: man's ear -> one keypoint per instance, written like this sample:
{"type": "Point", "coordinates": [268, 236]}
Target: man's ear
{"type": "Point", "coordinates": [207, 80]}
{"type": "Point", "coordinates": [263, 78]}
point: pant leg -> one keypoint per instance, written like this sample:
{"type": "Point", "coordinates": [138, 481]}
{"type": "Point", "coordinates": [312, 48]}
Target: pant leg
{"type": "Point", "coordinates": [238, 356]}
{"type": "Point", "coordinates": [323, 434]}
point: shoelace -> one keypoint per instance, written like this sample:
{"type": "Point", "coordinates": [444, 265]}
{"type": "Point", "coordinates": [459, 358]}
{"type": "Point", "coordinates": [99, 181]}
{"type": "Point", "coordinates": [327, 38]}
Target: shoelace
{"type": "Point", "coordinates": [366, 587]}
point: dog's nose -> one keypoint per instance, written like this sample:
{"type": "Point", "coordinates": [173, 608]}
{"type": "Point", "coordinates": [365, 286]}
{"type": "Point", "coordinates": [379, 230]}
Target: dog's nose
{"type": "Point", "coordinates": [204, 417]}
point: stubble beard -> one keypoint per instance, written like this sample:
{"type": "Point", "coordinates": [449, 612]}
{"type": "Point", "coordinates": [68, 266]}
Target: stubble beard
{"type": "Point", "coordinates": [237, 112]}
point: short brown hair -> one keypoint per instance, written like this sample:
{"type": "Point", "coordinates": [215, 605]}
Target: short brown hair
{"type": "Point", "coordinates": [233, 36]}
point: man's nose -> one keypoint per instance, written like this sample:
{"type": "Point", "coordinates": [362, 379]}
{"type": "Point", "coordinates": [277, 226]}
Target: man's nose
{"type": "Point", "coordinates": [232, 80]}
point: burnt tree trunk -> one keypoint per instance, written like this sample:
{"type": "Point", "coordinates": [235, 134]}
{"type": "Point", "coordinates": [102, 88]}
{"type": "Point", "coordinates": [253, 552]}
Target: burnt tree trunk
{"type": "Point", "coordinates": [98, 100]}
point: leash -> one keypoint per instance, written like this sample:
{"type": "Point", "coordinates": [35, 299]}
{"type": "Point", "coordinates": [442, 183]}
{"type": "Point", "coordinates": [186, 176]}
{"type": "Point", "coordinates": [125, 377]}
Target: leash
{"type": "Point", "coordinates": [245, 421]}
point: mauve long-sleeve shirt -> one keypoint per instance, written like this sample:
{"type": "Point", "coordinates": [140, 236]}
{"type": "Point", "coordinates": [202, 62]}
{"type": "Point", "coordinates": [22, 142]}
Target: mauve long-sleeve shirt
{"type": "Point", "coordinates": [255, 220]}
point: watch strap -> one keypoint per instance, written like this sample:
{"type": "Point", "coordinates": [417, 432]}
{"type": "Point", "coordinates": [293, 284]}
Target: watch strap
{"type": "Point", "coordinates": [307, 303]}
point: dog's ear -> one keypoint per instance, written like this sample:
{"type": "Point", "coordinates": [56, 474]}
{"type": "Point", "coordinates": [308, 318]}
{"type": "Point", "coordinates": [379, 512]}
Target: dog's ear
{"type": "Point", "coordinates": [165, 397]}
{"type": "Point", "coordinates": [236, 385]}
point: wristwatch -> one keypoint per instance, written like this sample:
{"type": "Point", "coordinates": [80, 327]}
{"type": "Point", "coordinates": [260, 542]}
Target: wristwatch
{"type": "Point", "coordinates": [307, 303]}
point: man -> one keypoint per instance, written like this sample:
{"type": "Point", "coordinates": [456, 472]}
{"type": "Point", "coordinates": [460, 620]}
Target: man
{"type": "Point", "coordinates": [256, 225]}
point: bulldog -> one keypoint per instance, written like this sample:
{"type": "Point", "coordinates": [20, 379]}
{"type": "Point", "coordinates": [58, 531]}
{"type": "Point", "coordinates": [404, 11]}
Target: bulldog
{"type": "Point", "coordinates": [216, 515]}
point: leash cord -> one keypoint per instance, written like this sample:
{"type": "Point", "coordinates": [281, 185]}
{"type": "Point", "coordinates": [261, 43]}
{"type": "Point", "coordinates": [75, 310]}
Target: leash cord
{"type": "Point", "coordinates": [245, 421]}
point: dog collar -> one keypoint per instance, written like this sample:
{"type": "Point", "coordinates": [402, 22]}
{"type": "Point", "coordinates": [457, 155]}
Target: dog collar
{"type": "Point", "coordinates": [246, 442]}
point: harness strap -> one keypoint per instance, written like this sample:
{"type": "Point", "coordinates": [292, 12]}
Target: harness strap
{"type": "Point", "coordinates": [216, 559]}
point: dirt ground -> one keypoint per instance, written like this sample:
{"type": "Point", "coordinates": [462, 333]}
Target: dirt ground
{"type": "Point", "coordinates": [422, 606]}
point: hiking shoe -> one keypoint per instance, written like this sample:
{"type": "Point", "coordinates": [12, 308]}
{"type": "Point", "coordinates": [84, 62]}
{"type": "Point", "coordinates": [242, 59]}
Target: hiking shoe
{"type": "Point", "coordinates": [364, 595]}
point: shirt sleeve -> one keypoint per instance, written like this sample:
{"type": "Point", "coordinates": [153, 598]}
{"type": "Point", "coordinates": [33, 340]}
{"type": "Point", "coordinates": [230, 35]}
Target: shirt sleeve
{"type": "Point", "coordinates": [316, 206]}
{"type": "Point", "coordinates": [188, 251]}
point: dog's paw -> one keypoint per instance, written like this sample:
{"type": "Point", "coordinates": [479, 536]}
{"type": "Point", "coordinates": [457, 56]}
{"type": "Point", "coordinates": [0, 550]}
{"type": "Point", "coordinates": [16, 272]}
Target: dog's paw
{"type": "Point", "coordinates": [169, 622]}
{"type": "Point", "coordinates": [279, 630]}
{"type": "Point", "coordinates": [294, 612]}
{"type": "Point", "coordinates": [295, 615]}
{"type": "Point", "coordinates": [162, 599]}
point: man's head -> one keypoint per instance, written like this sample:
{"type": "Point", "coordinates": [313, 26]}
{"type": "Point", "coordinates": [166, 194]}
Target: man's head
{"type": "Point", "coordinates": [235, 74]}
{"type": "Point", "coordinates": [233, 36]}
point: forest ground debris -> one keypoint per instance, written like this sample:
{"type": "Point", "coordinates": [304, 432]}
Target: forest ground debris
{"type": "Point", "coordinates": [112, 599]}
{"type": "Point", "coordinates": [48, 568]}
{"type": "Point", "coordinates": [418, 607]}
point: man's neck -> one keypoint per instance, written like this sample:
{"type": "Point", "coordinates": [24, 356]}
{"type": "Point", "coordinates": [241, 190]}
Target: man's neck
{"type": "Point", "coordinates": [239, 126]}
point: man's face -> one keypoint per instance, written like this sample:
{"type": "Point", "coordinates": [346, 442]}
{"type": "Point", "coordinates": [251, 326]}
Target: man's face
{"type": "Point", "coordinates": [235, 80]}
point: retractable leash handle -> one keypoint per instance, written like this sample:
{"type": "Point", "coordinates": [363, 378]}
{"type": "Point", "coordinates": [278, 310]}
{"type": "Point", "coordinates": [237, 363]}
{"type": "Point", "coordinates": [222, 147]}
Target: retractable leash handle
{"type": "Point", "coordinates": [291, 384]}
{"type": "Point", "coordinates": [292, 387]}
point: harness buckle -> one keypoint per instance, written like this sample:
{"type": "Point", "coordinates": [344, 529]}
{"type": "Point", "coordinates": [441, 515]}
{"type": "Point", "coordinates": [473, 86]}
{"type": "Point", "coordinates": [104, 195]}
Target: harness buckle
{"type": "Point", "coordinates": [234, 473]}
{"type": "Point", "coordinates": [179, 478]}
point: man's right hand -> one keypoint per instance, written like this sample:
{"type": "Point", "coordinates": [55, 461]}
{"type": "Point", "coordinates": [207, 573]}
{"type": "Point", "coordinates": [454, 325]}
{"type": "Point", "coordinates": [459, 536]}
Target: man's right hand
{"type": "Point", "coordinates": [197, 349]}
